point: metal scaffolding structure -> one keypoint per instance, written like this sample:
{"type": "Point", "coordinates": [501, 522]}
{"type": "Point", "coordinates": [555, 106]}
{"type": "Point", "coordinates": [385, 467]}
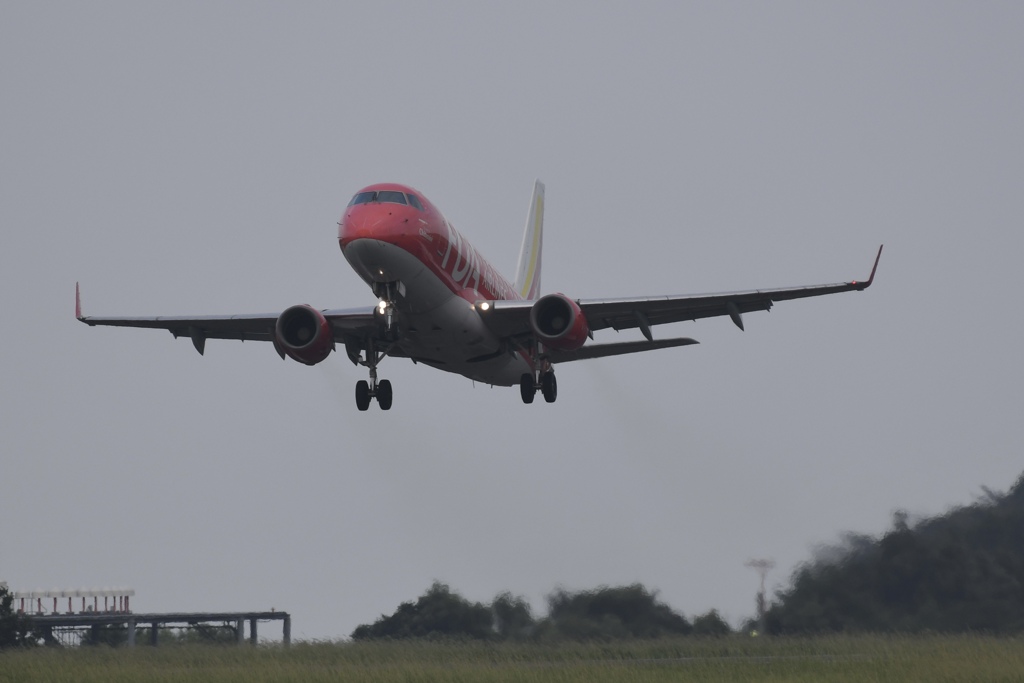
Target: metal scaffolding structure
{"type": "Point", "coordinates": [51, 625]}
{"type": "Point", "coordinates": [43, 609]}
{"type": "Point", "coordinates": [115, 600]}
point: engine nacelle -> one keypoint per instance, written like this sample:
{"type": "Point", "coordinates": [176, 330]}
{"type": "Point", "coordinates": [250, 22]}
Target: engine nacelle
{"type": "Point", "coordinates": [303, 333]}
{"type": "Point", "coordinates": [559, 323]}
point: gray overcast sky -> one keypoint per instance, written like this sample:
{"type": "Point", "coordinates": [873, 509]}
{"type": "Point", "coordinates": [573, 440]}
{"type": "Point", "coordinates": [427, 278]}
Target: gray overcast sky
{"type": "Point", "coordinates": [194, 157]}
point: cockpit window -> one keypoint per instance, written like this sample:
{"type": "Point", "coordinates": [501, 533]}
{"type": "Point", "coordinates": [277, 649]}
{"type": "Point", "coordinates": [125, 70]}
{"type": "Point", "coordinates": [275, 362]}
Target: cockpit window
{"type": "Point", "coordinates": [363, 198]}
{"type": "Point", "coordinates": [391, 197]}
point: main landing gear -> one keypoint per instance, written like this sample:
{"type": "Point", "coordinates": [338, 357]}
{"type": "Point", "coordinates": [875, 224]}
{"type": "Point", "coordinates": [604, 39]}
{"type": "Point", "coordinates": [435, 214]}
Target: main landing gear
{"type": "Point", "coordinates": [548, 386]}
{"type": "Point", "coordinates": [367, 391]}
{"type": "Point", "coordinates": [542, 377]}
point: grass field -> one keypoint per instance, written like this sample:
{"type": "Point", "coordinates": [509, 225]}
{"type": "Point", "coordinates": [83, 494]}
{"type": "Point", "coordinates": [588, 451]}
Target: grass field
{"type": "Point", "coordinates": [854, 658]}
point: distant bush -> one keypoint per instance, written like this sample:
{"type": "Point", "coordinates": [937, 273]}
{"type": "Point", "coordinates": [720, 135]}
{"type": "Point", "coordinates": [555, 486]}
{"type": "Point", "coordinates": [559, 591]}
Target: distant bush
{"type": "Point", "coordinates": [711, 624]}
{"type": "Point", "coordinates": [512, 616]}
{"type": "Point", "coordinates": [437, 613]}
{"type": "Point", "coordinates": [112, 635]}
{"type": "Point", "coordinates": [613, 613]}
{"type": "Point", "coordinates": [602, 614]}
{"type": "Point", "coordinates": [116, 635]}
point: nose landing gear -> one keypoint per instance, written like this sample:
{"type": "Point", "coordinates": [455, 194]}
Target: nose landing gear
{"type": "Point", "coordinates": [367, 391]}
{"type": "Point", "coordinates": [388, 293]}
{"type": "Point", "coordinates": [387, 317]}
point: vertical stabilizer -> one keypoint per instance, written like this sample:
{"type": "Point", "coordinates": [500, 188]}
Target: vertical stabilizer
{"type": "Point", "coordinates": [528, 272]}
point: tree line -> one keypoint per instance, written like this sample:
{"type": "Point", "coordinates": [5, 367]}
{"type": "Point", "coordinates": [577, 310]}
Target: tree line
{"type": "Point", "coordinates": [605, 613]}
{"type": "Point", "coordinates": [958, 572]}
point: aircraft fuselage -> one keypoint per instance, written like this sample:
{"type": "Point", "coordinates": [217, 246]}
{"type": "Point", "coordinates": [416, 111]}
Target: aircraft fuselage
{"type": "Point", "coordinates": [417, 262]}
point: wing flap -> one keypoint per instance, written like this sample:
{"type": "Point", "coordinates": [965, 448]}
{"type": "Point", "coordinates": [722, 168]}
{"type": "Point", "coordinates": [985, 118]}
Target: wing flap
{"type": "Point", "coordinates": [603, 350]}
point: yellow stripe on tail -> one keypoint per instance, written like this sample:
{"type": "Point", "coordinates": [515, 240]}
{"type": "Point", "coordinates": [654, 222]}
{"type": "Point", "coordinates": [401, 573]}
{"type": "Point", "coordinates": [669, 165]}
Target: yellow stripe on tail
{"type": "Point", "coordinates": [527, 283]}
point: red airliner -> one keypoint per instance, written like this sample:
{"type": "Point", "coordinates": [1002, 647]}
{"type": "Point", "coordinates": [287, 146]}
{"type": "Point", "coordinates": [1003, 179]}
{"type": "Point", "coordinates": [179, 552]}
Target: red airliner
{"type": "Point", "coordinates": [442, 304]}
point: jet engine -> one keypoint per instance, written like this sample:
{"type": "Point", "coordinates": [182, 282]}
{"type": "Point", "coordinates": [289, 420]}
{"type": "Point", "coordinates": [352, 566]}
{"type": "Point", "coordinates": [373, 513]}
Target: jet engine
{"type": "Point", "coordinates": [303, 333]}
{"type": "Point", "coordinates": [559, 323]}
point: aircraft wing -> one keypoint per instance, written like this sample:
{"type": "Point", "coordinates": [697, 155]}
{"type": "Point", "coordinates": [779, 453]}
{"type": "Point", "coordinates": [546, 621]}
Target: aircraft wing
{"type": "Point", "coordinates": [512, 318]}
{"type": "Point", "coordinates": [347, 323]}
{"type": "Point", "coordinates": [350, 322]}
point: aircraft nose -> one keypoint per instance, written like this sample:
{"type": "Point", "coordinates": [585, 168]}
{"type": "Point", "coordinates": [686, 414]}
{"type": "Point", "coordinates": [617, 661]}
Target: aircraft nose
{"type": "Point", "coordinates": [369, 222]}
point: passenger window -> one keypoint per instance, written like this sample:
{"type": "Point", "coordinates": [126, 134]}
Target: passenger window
{"type": "Point", "coordinates": [415, 201]}
{"type": "Point", "coordinates": [391, 197]}
{"type": "Point", "coordinates": [362, 198]}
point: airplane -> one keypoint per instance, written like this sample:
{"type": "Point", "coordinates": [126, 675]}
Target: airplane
{"type": "Point", "coordinates": [440, 303]}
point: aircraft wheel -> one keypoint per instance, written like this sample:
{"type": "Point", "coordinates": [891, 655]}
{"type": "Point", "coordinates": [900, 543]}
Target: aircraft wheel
{"type": "Point", "coordinates": [362, 394]}
{"type": "Point", "coordinates": [384, 394]}
{"type": "Point", "coordinates": [549, 387]}
{"type": "Point", "coordinates": [526, 388]}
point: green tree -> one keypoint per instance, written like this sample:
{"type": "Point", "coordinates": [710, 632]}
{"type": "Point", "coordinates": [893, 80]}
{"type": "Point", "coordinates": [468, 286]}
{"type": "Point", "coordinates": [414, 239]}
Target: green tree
{"type": "Point", "coordinates": [437, 613]}
{"type": "Point", "coordinates": [513, 617]}
{"type": "Point", "coordinates": [962, 571]}
{"type": "Point", "coordinates": [14, 629]}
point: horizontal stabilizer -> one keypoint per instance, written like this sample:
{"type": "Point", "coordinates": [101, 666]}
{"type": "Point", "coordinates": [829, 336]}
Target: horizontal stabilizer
{"type": "Point", "coordinates": [601, 350]}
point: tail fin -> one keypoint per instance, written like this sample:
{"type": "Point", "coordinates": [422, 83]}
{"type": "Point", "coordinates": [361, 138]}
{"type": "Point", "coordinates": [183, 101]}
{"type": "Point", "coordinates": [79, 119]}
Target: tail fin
{"type": "Point", "coordinates": [528, 272]}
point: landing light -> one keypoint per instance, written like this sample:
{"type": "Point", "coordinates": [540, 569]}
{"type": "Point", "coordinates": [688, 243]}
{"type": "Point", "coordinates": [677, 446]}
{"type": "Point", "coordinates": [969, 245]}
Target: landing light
{"type": "Point", "coordinates": [383, 306]}
{"type": "Point", "coordinates": [485, 306]}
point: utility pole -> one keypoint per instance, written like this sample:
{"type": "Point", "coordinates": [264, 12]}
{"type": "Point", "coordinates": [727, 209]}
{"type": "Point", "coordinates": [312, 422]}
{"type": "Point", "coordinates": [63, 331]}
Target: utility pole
{"type": "Point", "coordinates": [763, 566]}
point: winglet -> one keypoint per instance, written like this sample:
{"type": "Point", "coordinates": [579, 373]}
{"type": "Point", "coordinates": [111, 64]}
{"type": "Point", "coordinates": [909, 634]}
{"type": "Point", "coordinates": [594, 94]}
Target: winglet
{"type": "Point", "coordinates": [871, 278]}
{"type": "Point", "coordinates": [78, 303]}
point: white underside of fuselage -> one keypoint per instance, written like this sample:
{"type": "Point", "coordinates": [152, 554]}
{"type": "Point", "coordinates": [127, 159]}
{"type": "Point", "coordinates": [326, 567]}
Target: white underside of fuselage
{"type": "Point", "coordinates": [436, 326]}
